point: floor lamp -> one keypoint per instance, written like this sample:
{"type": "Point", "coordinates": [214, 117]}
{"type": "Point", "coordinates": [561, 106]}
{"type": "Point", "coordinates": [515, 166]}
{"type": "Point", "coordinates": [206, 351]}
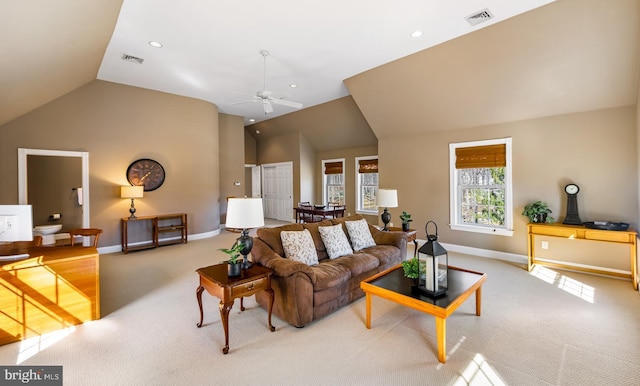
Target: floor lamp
{"type": "Point", "coordinates": [245, 213]}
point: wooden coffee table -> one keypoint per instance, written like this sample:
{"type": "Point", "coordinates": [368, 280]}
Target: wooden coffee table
{"type": "Point", "coordinates": [217, 282]}
{"type": "Point", "coordinates": [394, 286]}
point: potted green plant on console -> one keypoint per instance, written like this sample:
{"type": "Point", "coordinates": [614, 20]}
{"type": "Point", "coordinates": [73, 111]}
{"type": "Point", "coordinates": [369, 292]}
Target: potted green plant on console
{"type": "Point", "coordinates": [235, 260]}
{"type": "Point", "coordinates": [406, 219]}
{"type": "Point", "coordinates": [538, 211]}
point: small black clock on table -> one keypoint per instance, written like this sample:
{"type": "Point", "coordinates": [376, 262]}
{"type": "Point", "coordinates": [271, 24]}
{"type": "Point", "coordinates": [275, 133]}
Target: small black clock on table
{"type": "Point", "coordinates": [572, 217]}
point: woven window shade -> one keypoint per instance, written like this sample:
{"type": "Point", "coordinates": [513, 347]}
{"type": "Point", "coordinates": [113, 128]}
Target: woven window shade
{"type": "Point", "coordinates": [333, 167]}
{"type": "Point", "coordinates": [490, 156]}
{"type": "Point", "coordinates": [368, 166]}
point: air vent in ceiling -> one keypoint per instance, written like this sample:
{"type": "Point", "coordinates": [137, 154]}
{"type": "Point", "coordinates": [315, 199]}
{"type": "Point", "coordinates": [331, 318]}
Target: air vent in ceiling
{"type": "Point", "coordinates": [130, 58]}
{"type": "Point", "coordinates": [479, 17]}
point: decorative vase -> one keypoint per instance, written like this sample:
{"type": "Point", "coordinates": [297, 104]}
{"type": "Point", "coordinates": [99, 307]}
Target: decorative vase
{"type": "Point", "coordinates": [234, 269]}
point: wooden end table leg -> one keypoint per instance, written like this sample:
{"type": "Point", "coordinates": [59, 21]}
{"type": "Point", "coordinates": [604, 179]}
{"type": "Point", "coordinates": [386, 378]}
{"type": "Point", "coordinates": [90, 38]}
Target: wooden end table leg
{"type": "Point", "coordinates": [479, 301]}
{"type": "Point", "coordinates": [241, 304]}
{"type": "Point", "coordinates": [441, 334]}
{"type": "Point", "coordinates": [225, 308]}
{"type": "Point", "coordinates": [269, 292]}
{"type": "Point", "coordinates": [199, 291]}
{"type": "Point", "coordinates": [368, 310]}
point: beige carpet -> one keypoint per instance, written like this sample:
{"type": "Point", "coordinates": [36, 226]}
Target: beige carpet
{"type": "Point", "coordinates": [552, 328]}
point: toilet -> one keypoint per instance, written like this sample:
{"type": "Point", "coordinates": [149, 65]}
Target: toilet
{"type": "Point", "coordinates": [47, 232]}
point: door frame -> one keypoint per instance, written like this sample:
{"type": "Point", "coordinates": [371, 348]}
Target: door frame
{"type": "Point", "coordinates": [22, 176]}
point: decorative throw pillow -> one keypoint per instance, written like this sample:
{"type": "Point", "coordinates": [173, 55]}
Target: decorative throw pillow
{"type": "Point", "coordinates": [298, 246]}
{"type": "Point", "coordinates": [335, 241]}
{"type": "Point", "coordinates": [359, 234]}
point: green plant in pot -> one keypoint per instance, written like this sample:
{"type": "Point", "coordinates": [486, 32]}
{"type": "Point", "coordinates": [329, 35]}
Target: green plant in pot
{"type": "Point", "coordinates": [411, 268]}
{"type": "Point", "coordinates": [406, 219]}
{"type": "Point", "coordinates": [235, 258]}
{"type": "Point", "coordinates": [538, 212]}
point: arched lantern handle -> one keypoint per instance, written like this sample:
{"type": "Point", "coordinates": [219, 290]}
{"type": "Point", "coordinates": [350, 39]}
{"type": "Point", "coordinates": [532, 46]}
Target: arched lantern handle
{"type": "Point", "coordinates": [432, 237]}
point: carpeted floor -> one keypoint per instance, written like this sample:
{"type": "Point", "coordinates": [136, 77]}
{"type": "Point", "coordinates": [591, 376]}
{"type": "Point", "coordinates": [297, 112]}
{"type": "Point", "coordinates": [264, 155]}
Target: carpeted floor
{"type": "Point", "coordinates": [542, 328]}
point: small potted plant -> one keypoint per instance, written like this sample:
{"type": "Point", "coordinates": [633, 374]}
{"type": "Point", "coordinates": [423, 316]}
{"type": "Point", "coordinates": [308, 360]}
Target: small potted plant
{"type": "Point", "coordinates": [410, 268]}
{"type": "Point", "coordinates": [538, 212]}
{"type": "Point", "coordinates": [406, 219]}
{"type": "Point", "coordinates": [235, 260]}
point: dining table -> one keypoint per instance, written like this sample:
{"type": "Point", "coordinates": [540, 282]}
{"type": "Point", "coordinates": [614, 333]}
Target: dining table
{"type": "Point", "coordinates": [317, 213]}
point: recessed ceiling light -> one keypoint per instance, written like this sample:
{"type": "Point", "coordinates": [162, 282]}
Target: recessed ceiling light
{"type": "Point", "coordinates": [155, 44]}
{"type": "Point", "coordinates": [416, 34]}
{"type": "Point", "coordinates": [293, 85]}
{"type": "Point", "coordinates": [252, 120]}
{"type": "Point", "coordinates": [257, 131]}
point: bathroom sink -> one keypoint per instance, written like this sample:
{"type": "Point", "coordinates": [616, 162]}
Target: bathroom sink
{"type": "Point", "coordinates": [47, 229]}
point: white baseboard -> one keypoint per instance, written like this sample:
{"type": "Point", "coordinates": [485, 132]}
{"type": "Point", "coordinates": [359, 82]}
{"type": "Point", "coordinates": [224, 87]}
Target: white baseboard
{"type": "Point", "coordinates": [506, 256]}
{"type": "Point", "coordinates": [198, 236]}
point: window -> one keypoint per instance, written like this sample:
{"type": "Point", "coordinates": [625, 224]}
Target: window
{"type": "Point", "coordinates": [367, 184]}
{"type": "Point", "coordinates": [333, 181]}
{"type": "Point", "coordinates": [481, 193]}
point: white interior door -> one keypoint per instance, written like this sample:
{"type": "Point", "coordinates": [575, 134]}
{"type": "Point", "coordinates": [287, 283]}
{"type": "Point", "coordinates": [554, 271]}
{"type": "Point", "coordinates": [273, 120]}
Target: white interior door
{"type": "Point", "coordinates": [277, 194]}
{"type": "Point", "coordinates": [256, 183]}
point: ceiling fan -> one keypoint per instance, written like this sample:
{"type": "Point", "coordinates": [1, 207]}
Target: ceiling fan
{"type": "Point", "coordinates": [267, 97]}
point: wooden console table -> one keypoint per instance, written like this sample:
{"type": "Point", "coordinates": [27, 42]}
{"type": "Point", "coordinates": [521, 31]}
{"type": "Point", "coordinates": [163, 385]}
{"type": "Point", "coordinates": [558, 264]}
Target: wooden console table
{"type": "Point", "coordinates": [580, 232]}
{"type": "Point", "coordinates": [51, 289]}
{"type": "Point", "coordinates": [160, 224]}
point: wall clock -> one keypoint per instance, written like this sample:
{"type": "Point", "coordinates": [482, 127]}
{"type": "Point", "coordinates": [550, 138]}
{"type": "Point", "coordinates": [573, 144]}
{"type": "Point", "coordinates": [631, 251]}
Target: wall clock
{"type": "Point", "coordinates": [146, 172]}
{"type": "Point", "coordinates": [572, 217]}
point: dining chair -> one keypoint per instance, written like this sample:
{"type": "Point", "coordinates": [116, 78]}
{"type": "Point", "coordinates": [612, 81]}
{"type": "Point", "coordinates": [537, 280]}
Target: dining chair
{"type": "Point", "coordinates": [305, 212]}
{"type": "Point", "coordinates": [89, 232]}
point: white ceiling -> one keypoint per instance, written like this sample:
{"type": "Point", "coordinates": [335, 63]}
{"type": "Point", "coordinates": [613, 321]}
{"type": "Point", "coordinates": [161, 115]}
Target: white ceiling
{"type": "Point", "coordinates": [211, 49]}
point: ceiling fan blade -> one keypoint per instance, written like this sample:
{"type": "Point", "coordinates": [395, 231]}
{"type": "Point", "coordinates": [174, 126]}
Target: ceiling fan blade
{"type": "Point", "coordinates": [267, 106]}
{"type": "Point", "coordinates": [285, 102]}
{"type": "Point", "coordinates": [247, 101]}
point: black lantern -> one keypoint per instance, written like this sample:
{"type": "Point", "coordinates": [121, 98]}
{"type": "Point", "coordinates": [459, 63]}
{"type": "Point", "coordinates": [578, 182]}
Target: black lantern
{"type": "Point", "coordinates": [433, 265]}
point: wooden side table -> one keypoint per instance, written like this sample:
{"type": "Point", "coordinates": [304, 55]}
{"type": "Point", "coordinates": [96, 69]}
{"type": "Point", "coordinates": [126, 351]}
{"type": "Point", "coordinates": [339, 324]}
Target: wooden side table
{"type": "Point", "coordinates": [410, 235]}
{"type": "Point", "coordinates": [217, 282]}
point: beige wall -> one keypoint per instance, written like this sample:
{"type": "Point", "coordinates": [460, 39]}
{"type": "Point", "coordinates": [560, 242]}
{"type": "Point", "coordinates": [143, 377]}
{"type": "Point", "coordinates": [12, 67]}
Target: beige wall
{"type": "Point", "coordinates": [597, 150]}
{"type": "Point", "coordinates": [117, 125]}
{"type": "Point", "coordinates": [51, 181]}
{"type": "Point", "coordinates": [232, 158]}
{"type": "Point", "coordinates": [285, 148]}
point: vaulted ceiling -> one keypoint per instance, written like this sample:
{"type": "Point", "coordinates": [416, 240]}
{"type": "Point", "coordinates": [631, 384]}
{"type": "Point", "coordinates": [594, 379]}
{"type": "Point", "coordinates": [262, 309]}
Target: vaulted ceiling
{"type": "Point", "coordinates": [534, 58]}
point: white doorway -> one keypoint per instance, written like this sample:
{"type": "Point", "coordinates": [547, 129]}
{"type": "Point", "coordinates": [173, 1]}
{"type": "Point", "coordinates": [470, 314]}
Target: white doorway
{"type": "Point", "coordinates": [277, 191]}
{"type": "Point", "coordinates": [23, 197]}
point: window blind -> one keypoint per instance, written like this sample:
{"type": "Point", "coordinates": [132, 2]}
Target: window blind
{"type": "Point", "coordinates": [368, 166]}
{"type": "Point", "coordinates": [490, 156]}
{"type": "Point", "coordinates": [333, 167]}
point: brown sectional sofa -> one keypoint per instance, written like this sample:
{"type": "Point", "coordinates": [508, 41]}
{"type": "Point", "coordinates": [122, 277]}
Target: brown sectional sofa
{"type": "Point", "coordinates": [305, 293]}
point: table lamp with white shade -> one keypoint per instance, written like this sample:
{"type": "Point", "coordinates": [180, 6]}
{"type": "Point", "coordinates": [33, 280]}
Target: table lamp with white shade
{"type": "Point", "coordinates": [387, 198]}
{"type": "Point", "coordinates": [245, 213]}
{"type": "Point", "coordinates": [132, 192]}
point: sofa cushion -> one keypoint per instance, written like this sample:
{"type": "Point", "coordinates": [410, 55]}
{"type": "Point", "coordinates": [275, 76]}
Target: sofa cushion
{"type": "Point", "coordinates": [335, 241]}
{"type": "Point", "coordinates": [317, 240]}
{"type": "Point", "coordinates": [298, 246]}
{"type": "Point", "coordinates": [271, 236]}
{"type": "Point", "coordinates": [359, 234]}
{"type": "Point", "coordinates": [359, 263]}
{"type": "Point", "coordinates": [387, 255]}
{"type": "Point", "coordinates": [329, 274]}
